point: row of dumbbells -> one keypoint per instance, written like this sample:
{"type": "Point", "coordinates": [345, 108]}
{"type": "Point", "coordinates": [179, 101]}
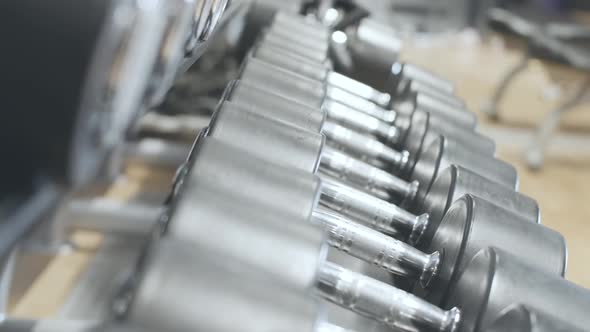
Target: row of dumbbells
{"type": "Point", "coordinates": [293, 163]}
{"type": "Point", "coordinates": [298, 159]}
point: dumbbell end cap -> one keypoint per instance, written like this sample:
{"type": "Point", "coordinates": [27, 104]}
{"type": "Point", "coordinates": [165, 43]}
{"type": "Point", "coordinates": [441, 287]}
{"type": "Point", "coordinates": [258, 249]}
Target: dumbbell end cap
{"type": "Point", "coordinates": [452, 320]}
{"type": "Point", "coordinates": [410, 195]}
{"type": "Point", "coordinates": [420, 225]}
{"type": "Point", "coordinates": [404, 160]}
{"type": "Point", "coordinates": [430, 269]}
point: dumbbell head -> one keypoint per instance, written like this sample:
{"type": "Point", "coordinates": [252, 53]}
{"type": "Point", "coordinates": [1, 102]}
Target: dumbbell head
{"type": "Point", "coordinates": [373, 49]}
{"type": "Point", "coordinates": [284, 82]}
{"type": "Point", "coordinates": [279, 56]}
{"type": "Point", "coordinates": [219, 216]}
{"type": "Point", "coordinates": [472, 224]}
{"type": "Point", "coordinates": [456, 181]}
{"type": "Point", "coordinates": [249, 231]}
{"type": "Point", "coordinates": [411, 87]}
{"type": "Point", "coordinates": [265, 137]}
{"type": "Point", "coordinates": [402, 73]}
{"type": "Point", "coordinates": [274, 105]}
{"type": "Point", "coordinates": [442, 153]}
{"type": "Point", "coordinates": [495, 279]}
{"type": "Point", "coordinates": [421, 129]}
{"type": "Point", "coordinates": [186, 287]}
{"type": "Point", "coordinates": [437, 108]}
{"type": "Point", "coordinates": [519, 318]}
{"type": "Point", "coordinates": [469, 139]}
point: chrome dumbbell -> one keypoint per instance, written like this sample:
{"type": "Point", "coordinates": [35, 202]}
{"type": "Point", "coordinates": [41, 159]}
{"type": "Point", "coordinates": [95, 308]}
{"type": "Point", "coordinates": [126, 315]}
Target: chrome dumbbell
{"type": "Point", "coordinates": [495, 280]}
{"type": "Point", "coordinates": [335, 110]}
{"type": "Point", "coordinates": [304, 45]}
{"type": "Point", "coordinates": [473, 224]}
{"type": "Point", "coordinates": [293, 147]}
{"type": "Point", "coordinates": [341, 86]}
{"type": "Point", "coordinates": [462, 234]}
{"type": "Point", "coordinates": [358, 171]}
{"type": "Point", "coordinates": [240, 220]}
{"type": "Point", "coordinates": [437, 200]}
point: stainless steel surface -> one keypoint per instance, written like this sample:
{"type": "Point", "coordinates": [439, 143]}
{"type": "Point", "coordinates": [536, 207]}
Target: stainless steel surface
{"type": "Point", "coordinates": [322, 141]}
{"type": "Point", "coordinates": [181, 278]}
{"type": "Point", "coordinates": [376, 248]}
{"type": "Point", "coordinates": [341, 165]}
{"type": "Point", "coordinates": [374, 212]}
{"type": "Point", "coordinates": [473, 224]}
{"type": "Point", "coordinates": [379, 301]}
{"type": "Point", "coordinates": [511, 280]}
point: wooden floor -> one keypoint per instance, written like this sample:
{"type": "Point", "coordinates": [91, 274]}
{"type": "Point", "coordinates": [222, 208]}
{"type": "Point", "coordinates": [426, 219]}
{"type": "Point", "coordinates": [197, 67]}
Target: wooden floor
{"type": "Point", "coordinates": [562, 187]}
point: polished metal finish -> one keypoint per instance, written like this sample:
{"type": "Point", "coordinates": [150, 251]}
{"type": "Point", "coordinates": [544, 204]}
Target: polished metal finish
{"type": "Point", "coordinates": [495, 279]}
{"type": "Point", "coordinates": [374, 212]}
{"type": "Point", "coordinates": [185, 287]}
{"type": "Point", "coordinates": [253, 133]}
{"type": "Point", "coordinates": [273, 105]}
{"type": "Point", "coordinates": [295, 196]}
{"type": "Point", "coordinates": [377, 248]}
{"type": "Point", "coordinates": [414, 86]}
{"type": "Point", "coordinates": [377, 300]}
{"type": "Point", "coordinates": [341, 165]}
{"type": "Point", "coordinates": [267, 138]}
{"type": "Point", "coordinates": [363, 145]}
{"type": "Point", "coordinates": [456, 181]}
{"type": "Point", "coordinates": [412, 72]}
{"type": "Point", "coordinates": [340, 105]}
{"type": "Point", "coordinates": [442, 153]}
{"type": "Point", "coordinates": [519, 318]}
{"type": "Point", "coordinates": [472, 224]}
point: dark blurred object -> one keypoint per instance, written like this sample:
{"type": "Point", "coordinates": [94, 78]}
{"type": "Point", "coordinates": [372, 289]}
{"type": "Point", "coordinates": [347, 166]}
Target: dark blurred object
{"type": "Point", "coordinates": [46, 56]}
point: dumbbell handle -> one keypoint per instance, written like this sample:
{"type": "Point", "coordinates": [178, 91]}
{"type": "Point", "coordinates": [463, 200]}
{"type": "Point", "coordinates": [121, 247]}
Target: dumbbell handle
{"type": "Point", "coordinates": [367, 146]}
{"type": "Point", "coordinates": [362, 90]}
{"type": "Point", "coordinates": [368, 176]}
{"type": "Point", "coordinates": [376, 213]}
{"type": "Point", "coordinates": [361, 121]}
{"type": "Point", "coordinates": [379, 301]}
{"type": "Point", "coordinates": [377, 248]}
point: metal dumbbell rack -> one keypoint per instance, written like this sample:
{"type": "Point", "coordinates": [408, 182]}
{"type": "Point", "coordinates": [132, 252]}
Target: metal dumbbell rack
{"type": "Point", "coordinates": [308, 186]}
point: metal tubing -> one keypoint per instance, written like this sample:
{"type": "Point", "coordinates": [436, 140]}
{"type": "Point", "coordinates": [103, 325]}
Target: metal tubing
{"type": "Point", "coordinates": [382, 302]}
{"type": "Point", "coordinates": [377, 248]}
{"type": "Point", "coordinates": [363, 145]}
{"type": "Point", "coordinates": [374, 212]}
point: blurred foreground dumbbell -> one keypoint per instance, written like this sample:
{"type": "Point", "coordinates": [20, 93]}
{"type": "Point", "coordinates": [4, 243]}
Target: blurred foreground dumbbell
{"type": "Point", "coordinates": [280, 242]}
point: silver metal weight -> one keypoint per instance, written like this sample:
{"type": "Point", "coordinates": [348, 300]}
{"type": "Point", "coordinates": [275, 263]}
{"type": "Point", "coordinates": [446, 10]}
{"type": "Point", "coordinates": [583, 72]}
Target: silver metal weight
{"type": "Point", "coordinates": [472, 224]}
{"type": "Point", "coordinates": [495, 279]}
